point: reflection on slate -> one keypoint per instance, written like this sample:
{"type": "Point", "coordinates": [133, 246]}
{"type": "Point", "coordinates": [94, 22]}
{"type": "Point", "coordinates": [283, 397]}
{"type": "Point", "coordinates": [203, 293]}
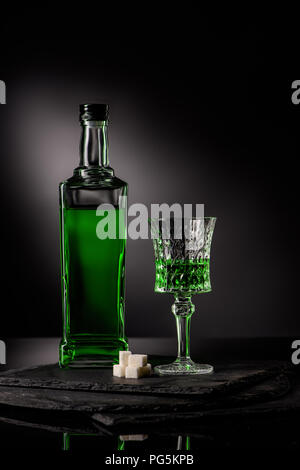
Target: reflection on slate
{"type": "Point", "coordinates": [89, 406]}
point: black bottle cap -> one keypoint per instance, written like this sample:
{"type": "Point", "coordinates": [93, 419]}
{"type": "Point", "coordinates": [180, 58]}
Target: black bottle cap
{"type": "Point", "coordinates": [93, 112]}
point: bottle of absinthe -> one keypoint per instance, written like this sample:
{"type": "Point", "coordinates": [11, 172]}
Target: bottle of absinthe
{"type": "Point", "coordinates": [93, 257]}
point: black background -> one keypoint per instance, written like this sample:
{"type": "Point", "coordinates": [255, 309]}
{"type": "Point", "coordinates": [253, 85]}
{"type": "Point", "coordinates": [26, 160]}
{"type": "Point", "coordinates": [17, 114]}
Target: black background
{"type": "Point", "coordinates": [201, 112]}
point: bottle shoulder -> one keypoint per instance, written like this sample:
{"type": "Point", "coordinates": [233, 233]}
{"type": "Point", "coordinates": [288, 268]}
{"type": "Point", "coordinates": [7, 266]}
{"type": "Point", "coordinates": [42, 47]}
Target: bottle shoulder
{"type": "Point", "coordinates": [94, 182]}
{"type": "Point", "coordinates": [77, 192]}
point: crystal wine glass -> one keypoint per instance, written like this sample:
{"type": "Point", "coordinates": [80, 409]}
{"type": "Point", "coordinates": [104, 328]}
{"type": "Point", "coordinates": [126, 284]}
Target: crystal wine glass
{"type": "Point", "coordinates": [182, 258]}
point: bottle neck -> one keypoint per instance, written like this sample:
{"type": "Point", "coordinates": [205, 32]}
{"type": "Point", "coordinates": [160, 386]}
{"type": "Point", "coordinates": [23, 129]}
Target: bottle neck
{"type": "Point", "coordinates": [94, 149]}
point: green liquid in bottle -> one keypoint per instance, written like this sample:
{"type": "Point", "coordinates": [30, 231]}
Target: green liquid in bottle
{"type": "Point", "coordinates": [93, 275]}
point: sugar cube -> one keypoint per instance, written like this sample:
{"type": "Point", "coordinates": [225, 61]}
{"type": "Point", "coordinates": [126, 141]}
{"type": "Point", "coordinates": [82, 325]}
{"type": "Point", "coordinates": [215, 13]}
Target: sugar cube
{"type": "Point", "coordinates": [137, 360]}
{"type": "Point", "coordinates": [132, 372]}
{"type": "Point", "coordinates": [119, 370]}
{"type": "Point", "coordinates": [123, 357]}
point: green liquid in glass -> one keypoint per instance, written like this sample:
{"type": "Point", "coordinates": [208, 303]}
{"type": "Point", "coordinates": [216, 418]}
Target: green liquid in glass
{"type": "Point", "coordinates": [182, 276]}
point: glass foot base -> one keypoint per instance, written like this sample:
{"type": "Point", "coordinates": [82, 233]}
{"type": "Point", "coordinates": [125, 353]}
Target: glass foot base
{"type": "Point", "coordinates": [187, 367]}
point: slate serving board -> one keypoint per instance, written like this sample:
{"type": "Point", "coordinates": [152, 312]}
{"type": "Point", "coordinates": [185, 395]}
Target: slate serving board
{"type": "Point", "coordinates": [226, 379]}
{"type": "Point", "coordinates": [51, 398]}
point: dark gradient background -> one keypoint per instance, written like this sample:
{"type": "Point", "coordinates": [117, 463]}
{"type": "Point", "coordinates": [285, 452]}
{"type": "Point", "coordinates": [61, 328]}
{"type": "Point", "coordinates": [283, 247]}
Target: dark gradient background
{"type": "Point", "coordinates": [200, 117]}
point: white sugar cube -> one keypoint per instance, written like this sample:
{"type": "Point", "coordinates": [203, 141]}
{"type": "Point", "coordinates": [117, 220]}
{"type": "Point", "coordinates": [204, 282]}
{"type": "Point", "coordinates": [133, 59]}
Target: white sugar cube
{"type": "Point", "coordinates": [137, 360]}
{"type": "Point", "coordinates": [123, 357]}
{"type": "Point", "coordinates": [133, 372]}
{"type": "Point", "coordinates": [119, 370]}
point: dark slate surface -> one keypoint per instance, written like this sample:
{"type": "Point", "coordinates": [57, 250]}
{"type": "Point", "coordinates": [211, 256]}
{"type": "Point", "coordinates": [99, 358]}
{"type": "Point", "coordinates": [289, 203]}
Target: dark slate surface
{"type": "Point", "coordinates": [269, 397]}
{"type": "Point", "coordinates": [85, 399]}
{"type": "Point", "coordinates": [84, 411]}
{"type": "Point", "coordinates": [227, 378]}
{"type": "Point", "coordinates": [92, 402]}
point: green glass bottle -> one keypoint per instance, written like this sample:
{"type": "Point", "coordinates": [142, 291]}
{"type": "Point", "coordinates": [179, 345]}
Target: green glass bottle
{"type": "Point", "coordinates": [93, 261]}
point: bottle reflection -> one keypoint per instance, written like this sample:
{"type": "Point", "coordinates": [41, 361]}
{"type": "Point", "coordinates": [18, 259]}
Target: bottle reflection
{"type": "Point", "coordinates": [77, 441]}
{"type": "Point", "coordinates": [72, 441]}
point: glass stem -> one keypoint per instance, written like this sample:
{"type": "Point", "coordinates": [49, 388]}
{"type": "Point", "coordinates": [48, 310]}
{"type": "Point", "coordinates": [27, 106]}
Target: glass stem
{"type": "Point", "coordinates": [183, 309]}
